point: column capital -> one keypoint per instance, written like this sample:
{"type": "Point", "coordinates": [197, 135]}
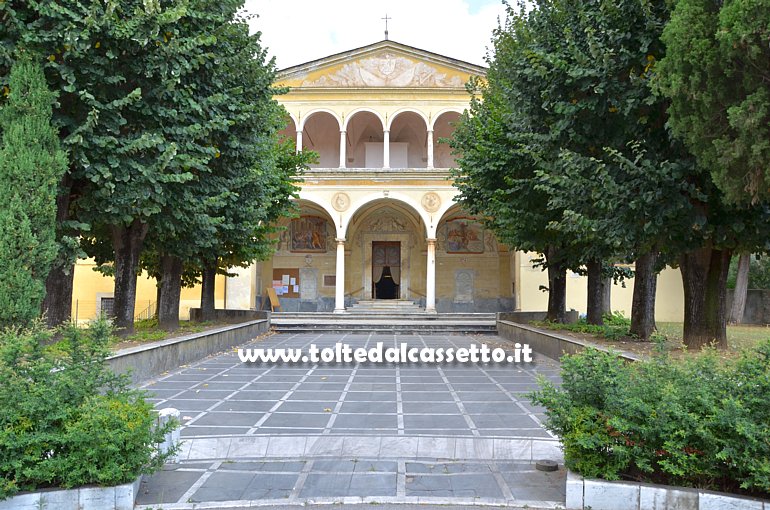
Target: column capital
{"type": "Point", "coordinates": [431, 240]}
{"type": "Point", "coordinates": [342, 131]}
{"type": "Point", "coordinates": [340, 240]}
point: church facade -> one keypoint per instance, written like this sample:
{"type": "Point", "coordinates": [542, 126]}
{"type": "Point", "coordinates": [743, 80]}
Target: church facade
{"type": "Point", "coordinates": [381, 196]}
{"type": "Point", "coordinates": [380, 200]}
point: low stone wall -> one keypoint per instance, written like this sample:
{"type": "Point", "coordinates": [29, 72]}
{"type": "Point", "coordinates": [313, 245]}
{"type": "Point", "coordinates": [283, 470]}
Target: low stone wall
{"type": "Point", "coordinates": [230, 315]}
{"type": "Point", "coordinates": [757, 309]}
{"type": "Point", "coordinates": [549, 343]}
{"type": "Point", "coordinates": [150, 360]}
{"type": "Point", "coordinates": [571, 316]}
{"type": "Point", "coordinates": [120, 497]}
{"type": "Point", "coordinates": [603, 495]}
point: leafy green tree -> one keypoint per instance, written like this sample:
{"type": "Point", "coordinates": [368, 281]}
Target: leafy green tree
{"type": "Point", "coordinates": [619, 201]}
{"type": "Point", "coordinates": [501, 141]}
{"type": "Point", "coordinates": [569, 79]}
{"type": "Point", "coordinates": [251, 218]}
{"type": "Point", "coordinates": [98, 58]}
{"type": "Point", "coordinates": [31, 164]}
{"type": "Point", "coordinates": [157, 97]}
{"type": "Point", "coordinates": [569, 146]}
{"type": "Point", "coordinates": [228, 120]}
{"type": "Point", "coordinates": [716, 73]}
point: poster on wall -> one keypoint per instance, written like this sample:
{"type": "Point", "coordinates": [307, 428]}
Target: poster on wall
{"type": "Point", "coordinates": [308, 234]}
{"type": "Point", "coordinates": [464, 235]}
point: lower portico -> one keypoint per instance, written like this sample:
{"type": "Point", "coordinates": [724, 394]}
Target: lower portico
{"type": "Point", "coordinates": [352, 228]}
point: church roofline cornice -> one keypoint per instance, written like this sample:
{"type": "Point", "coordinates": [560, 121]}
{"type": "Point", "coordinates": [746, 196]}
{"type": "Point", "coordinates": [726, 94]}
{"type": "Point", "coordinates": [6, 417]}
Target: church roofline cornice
{"type": "Point", "coordinates": [371, 48]}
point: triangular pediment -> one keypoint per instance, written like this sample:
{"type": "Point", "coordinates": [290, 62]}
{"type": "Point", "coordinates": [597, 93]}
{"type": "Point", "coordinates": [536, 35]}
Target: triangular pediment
{"type": "Point", "coordinates": [386, 64]}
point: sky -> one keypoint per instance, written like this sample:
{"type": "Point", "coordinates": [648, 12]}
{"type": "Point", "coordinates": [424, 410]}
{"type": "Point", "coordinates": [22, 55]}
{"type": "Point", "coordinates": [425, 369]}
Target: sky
{"type": "Point", "coordinates": [298, 31]}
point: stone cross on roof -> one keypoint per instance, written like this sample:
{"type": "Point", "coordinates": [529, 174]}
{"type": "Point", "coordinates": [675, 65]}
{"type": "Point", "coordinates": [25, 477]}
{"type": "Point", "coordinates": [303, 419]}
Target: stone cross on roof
{"type": "Point", "coordinates": [386, 18]}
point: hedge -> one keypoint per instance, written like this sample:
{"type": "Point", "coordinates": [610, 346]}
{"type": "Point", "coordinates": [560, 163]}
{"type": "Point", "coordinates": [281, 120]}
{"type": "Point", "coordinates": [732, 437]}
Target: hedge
{"type": "Point", "coordinates": [65, 419]}
{"type": "Point", "coordinates": [700, 421]}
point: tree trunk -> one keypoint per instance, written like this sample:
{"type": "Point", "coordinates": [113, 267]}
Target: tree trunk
{"type": "Point", "coordinates": [643, 303]}
{"type": "Point", "coordinates": [57, 304]}
{"type": "Point", "coordinates": [557, 287]}
{"type": "Point", "coordinates": [158, 294]}
{"type": "Point", "coordinates": [595, 296]}
{"type": "Point", "coordinates": [127, 243]}
{"type": "Point", "coordinates": [170, 290]}
{"type": "Point", "coordinates": [741, 289]}
{"type": "Point", "coordinates": [704, 275]}
{"type": "Point", "coordinates": [607, 296]}
{"type": "Point", "coordinates": [207, 292]}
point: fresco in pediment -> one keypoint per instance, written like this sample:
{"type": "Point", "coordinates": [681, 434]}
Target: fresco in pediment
{"type": "Point", "coordinates": [385, 70]}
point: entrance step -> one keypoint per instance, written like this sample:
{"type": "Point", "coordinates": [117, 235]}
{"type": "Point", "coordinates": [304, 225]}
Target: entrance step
{"type": "Point", "coordinates": [385, 305]}
{"type": "Point", "coordinates": [384, 322]}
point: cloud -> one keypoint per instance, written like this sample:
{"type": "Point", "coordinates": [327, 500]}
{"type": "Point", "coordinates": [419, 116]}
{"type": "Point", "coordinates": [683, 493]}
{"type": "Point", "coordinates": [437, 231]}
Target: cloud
{"type": "Point", "coordinates": [302, 30]}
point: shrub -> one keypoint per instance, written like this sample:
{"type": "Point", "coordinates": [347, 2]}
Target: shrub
{"type": "Point", "coordinates": [615, 326]}
{"type": "Point", "coordinates": [65, 419]}
{"type": "Point", "coordinates": [698, 422]}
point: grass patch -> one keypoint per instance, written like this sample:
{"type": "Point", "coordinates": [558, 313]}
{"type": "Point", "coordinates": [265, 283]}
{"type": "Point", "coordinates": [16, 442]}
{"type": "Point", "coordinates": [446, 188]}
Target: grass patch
{"type": "Point", "coordinates": [615, 326]}
{"type": "Point", "coordinates": [668, 336]}
{"type": "Point", "coordinates": [739, 337]}
{"type": "Point", "coordinates": [147, 330]}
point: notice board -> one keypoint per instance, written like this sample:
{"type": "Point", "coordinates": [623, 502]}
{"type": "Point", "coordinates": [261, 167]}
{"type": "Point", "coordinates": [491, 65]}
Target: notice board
{"type": "Point", "coordinates": [286, 282]}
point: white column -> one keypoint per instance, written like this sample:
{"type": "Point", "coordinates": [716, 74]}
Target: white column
{"type": "Point", "coordinates": [238, 288]}
{"type": "Point", "coordinates": [430, 299]}
{"type": "Point", "coordinates": [339, 295]}
{"type": "Point", "coordinates": [299, 140]}
{"type": "Point", "coordinates": [342, 149]}
{"type": "Point", "coordinates": [386, 149]}
{"type": "Point", "coordinates": [430, 148]}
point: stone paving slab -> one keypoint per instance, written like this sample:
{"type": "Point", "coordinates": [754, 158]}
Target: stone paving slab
{"type": "Point", "coordinates": [260, 483]}
{"type": "Point", "coordinates": [287, 434]}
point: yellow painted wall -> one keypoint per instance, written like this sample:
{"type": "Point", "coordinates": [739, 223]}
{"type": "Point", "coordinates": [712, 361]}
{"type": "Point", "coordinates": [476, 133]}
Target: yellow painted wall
{"type": "Point", "coordinates": [90, 285]}
{"type": "Point", "coordinates": [669, 299]}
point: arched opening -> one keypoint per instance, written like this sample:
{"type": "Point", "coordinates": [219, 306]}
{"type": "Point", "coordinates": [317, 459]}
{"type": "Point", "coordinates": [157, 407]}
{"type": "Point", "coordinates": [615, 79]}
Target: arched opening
{"type": "Point", "coordinates": [321, 133]}
{"type": "Point", "coordinates": [477, 273]}
{"type": "Point", "coordinates": [386, 239]}
{"type": "Point", "coordinates": [443, 127]}
{"type": "Point", "coordinates": [302, 270]}
{"type": "Point", "coordinates": [364, 139]}
{"type": "Point", "coordinates": [289, 132]}
{"type": "Point", "coordinates": [408, 141]}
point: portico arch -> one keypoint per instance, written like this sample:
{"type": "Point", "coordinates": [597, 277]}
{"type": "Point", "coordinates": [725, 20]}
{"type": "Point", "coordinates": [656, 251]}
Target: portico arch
{"type": "Point", "coordinates": [443, 127]}
{"type": "Point", "coordinates": [319, 132]}
{"type": "Point", "coordinates": [365, 134]}
{"type": "Point", "coordinates": [391, 195]}
{"type": "Point", "coordinates": [408, 140]}
{"type": "Point", "coordinates": [290, 129]}
{"type": "Point", "coordinates": [305, 253]}
{"type": "Point", "coordinates": [386, 232]}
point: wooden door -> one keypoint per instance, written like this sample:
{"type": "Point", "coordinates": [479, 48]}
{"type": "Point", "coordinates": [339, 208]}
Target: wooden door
{"type": "Point", "coordinates": [386, 253]}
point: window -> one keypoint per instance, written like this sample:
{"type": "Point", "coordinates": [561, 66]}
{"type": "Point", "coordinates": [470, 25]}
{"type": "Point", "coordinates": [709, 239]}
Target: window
{"type": "Point", "coordinates": [107, 306]}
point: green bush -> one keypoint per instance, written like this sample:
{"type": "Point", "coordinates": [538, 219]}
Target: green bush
{"type": "Point", "coordinates": [615, 326]}
{"type": "Point", "coordinates": [698, 422]}
{"type": "Point", "coordinates": [65, 419]}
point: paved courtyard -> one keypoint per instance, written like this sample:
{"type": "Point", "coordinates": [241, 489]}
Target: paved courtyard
{"type": "Point", "coordinates": [279, 434]}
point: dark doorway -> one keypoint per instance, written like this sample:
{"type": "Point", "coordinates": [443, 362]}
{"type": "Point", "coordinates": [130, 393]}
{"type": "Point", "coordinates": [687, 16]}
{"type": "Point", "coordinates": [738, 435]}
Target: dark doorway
{"type": "Point", "coordinates": [386, 269]}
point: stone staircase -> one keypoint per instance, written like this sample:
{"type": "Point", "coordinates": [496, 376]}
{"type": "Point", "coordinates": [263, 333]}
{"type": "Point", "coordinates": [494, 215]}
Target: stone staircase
{"type": "Point", "coordinates": [384, 316]}
{"type": "Point", "coordinates": [385, 306]}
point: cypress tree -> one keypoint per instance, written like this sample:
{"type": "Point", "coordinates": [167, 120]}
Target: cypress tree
{"type": "Point", "coordinates": [31, 165]}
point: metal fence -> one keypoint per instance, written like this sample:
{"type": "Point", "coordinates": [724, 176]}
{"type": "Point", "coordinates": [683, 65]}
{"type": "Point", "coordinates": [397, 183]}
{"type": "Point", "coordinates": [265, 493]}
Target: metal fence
{"type": "Point", "coordinates": [84, 310]}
